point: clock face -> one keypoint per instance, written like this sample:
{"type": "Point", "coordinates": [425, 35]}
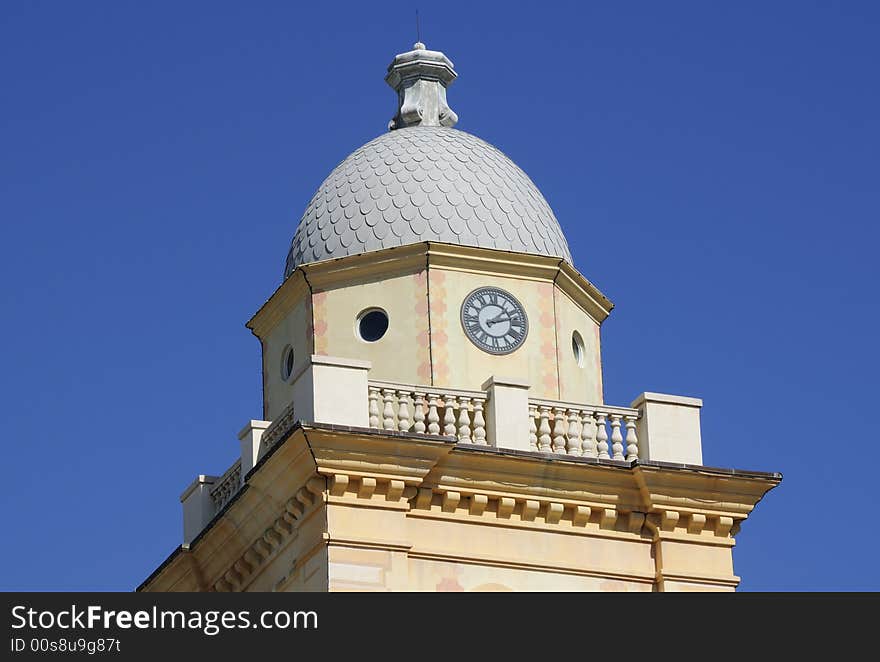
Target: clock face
{"type": "Point", "coordinates": [494, 320]}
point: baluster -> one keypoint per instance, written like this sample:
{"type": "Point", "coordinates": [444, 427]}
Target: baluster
{"type": "Point", "coordinates": [388, 411]}
{"type": "Point", "coordinates": [588, 433]}
{"type": "Point", "coordinates": [464, 420]}
{"type": "Point", "coordinates": [449, 418]}
{"type": "Point", "coordinates": [533, 429]}
{"type": "Point", "coordinates": [403, 423]}
{"type": "Point", "coordinates": [433, 416]}
{"type": "Point", "coordinates": [374, 407]}
{"type": "Point", "coordinates": [544, 430]}
{"type": "Point", "coordinates": [632, 442]}
{"type": "Point", "coordinates": [573, 445]}
{"type": "Point", "coordinates": [559, 430]}
{"type": "Point", "coordinates": [616, 438]}
{"type": "Point", "coordinates": [601, 436]}
{"type": "Point", "coordinates": [419, 415]}
{"type": "Point", "coordinates": [479, 424]}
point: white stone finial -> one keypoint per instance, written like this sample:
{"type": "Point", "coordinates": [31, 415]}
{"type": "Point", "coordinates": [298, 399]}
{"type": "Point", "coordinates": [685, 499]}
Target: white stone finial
{"type": "Point", "coordinates": [420, 78]}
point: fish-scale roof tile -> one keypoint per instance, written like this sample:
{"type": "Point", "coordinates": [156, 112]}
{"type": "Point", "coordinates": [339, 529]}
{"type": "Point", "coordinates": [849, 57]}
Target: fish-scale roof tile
{"type": "Point", "coordinates": [425, 183]}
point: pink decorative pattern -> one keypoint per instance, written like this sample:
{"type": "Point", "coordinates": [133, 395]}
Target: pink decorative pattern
{"type": "Point", "coordinates": [439, 338]}
{"type": "Point", "coordinates": [547, 337]}
{"type": "Point", "coordinates": [319, 317]}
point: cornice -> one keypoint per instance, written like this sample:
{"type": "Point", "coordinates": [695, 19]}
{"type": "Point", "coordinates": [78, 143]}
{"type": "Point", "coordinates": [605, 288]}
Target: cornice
{"type": "Point", "coordinates": [284, 527]}
{"type": "Point", "coordinates": [240, 544]}
{"type": "Point", "coordinates": [713, 581]}
{"type": "Point", "coordinates": [435, 478]}
{"type": "Point", "coordinates": [365, 267]}
{"type": "Point", "coordinates": [411, 258]}
{"type": "Point", "coordinates": [357, 452]}
{"type": "Point", "coordinates": [702, 490]}
{"type": "Point", "coordinates": [254, 525]}
{"type": "Point", "coordinates": [288, 294]}
{"type": "Point", "coordinates": [583, 292]}
{"type": "Point", "coordinates": [471, 469]}
{"type": "Point", "coordinates": [492, 262]}
{"type": "Point", "coordinates": [526, 266]}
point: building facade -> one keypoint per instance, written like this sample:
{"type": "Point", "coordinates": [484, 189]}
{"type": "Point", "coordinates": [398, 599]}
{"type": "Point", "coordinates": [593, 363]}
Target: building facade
{"type": "Point", "coordinates": [433, 413]}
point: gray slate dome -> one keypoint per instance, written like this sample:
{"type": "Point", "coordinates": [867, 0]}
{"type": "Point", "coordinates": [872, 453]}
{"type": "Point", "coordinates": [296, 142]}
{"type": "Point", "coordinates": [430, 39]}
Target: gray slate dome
{"type": "Point", "coordinates": [425, 181]}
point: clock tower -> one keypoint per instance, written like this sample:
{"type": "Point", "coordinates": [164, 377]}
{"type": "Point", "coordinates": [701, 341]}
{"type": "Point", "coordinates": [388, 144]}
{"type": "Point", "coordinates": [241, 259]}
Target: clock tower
{"type": "Point", "coordinates": [433, 414]}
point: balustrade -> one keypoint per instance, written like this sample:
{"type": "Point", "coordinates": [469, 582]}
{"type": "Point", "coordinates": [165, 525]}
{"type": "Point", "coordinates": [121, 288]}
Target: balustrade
{"type": "Point", "coordinates": [422, 410]}
{"type": "Point", "coordinates": [560, 428]}
{"type": "Point", "coordinates": [227, 487]}
{"type": "Point", "coordinates": [583, 430]}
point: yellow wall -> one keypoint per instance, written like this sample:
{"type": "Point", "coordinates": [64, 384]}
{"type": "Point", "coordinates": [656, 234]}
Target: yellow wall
{"type": "Point", "coordinates": [435, 551]}
{"type": "Point", "coordinates": [444, 576]}
{"type": "Point", "coordinates": [458, 363]}
{"type": "Point", "coordinates": [577, 383]}
{"type": "Point", "coordinates": [545, 360]}
{"type": "Point", "coordinates": [294, 329]}
{"type": "Point", "coordinates": [401, 355]}
{"type": "Point", "coordinates": [425, 343]}
{"type": "Point", "coordinates": [359, 569]}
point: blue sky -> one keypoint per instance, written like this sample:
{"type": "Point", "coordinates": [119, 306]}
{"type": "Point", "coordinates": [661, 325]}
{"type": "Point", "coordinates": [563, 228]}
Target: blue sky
{"type": "Point", "coordinates": [716, 169]}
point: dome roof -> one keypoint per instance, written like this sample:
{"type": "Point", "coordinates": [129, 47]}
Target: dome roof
{"type": "Point", "coordinates": [425, 183]}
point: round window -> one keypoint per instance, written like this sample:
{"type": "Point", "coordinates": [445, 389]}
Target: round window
{"type": "Point", "coordinates": [287, 363]}
{"type": "Point", "coordinates": [372, 324]}
{"type": "Point", "coordinates": [577, 348]}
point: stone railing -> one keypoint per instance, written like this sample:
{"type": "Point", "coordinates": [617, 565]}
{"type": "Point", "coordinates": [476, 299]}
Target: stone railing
{"type": "Point", "coordinates": [277, 428]}
{"type": "Point", "coordinates": [564, 428]}
{"type": "Point", "coordinates": [338, 391]}
{"type": "Point", "coordinates": [583, 430]}
{"type": "Point", "coordinates": [227, 486]}
{"type": "Point", "coordinates": [428, 410]}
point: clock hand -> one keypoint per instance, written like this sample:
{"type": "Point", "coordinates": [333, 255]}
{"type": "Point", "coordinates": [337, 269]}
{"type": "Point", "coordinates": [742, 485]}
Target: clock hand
{"type": "Point", "coordinates": [497, 318]}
